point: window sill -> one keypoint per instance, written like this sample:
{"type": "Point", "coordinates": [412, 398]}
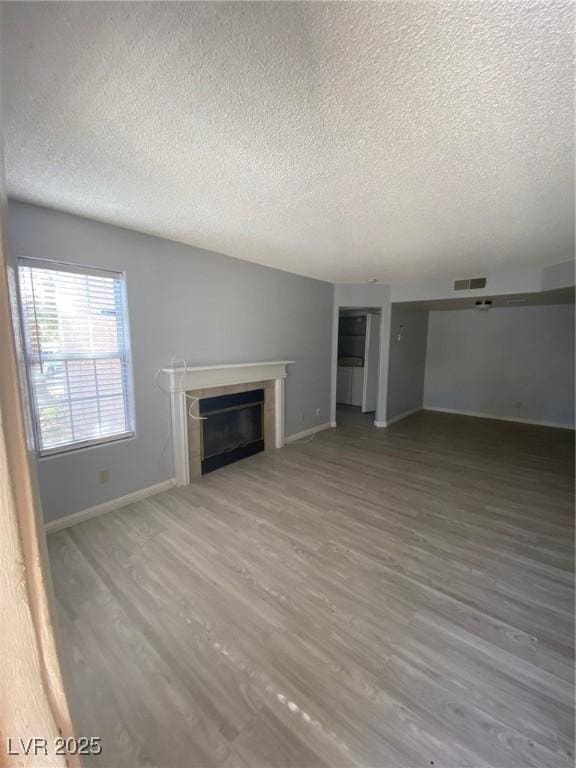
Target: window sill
{"type": "Point", "coordinates": [65, 450]}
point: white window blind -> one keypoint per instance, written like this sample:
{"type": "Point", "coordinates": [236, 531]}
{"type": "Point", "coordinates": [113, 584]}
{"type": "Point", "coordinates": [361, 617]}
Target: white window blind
{"type": "Point", "coordinates": [78, 354]}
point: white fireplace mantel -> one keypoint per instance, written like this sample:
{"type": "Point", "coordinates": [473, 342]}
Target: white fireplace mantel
{"type": "Point", "coordinates": [179, 380]}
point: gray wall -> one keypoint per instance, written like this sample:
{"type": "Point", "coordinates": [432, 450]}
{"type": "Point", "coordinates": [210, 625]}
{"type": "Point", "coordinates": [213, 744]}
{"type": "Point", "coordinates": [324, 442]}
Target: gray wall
{"type": "Point", "coordinates": [487, 361]}
{"type": "Point", "coordinates": [406, 360]}
{"type": "Point", "coordinates": [189, 303]}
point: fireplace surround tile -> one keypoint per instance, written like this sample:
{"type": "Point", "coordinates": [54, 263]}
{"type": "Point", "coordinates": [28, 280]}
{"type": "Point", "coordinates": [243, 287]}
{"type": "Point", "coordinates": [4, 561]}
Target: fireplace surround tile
{"type": "Point", "coordinates": [194, 424]}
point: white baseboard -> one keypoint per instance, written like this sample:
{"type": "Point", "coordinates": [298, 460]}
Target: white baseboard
{"type": "Point", "coordinates": [308, 432]}
{"type": "Point", "coordinates": [107, 506]}
{"type": "Point", "coordinates": [516, 419]}
{"type": "Point", "coordinates": [394, 419]}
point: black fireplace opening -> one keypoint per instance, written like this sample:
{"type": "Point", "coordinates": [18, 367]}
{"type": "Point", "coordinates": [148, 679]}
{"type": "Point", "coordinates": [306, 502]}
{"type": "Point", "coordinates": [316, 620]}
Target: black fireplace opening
{"type": "Point", "coordinates": [232, 428]}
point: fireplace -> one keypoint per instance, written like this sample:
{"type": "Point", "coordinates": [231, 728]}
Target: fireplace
{"type": "Point", "coordinates": [232, 428]}
{"type": "Point", "coordinates": [191, 385]}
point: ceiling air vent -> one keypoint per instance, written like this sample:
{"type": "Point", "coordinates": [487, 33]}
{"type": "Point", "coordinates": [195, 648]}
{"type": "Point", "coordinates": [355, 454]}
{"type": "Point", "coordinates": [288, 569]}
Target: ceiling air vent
{"type": "Point", "coordinates": [470, 284]}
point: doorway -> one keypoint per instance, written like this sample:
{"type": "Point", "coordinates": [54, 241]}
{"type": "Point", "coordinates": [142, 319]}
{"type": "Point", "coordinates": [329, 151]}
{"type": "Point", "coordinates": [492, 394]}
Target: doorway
{"type": "Point", "coordinates": [358, 359]}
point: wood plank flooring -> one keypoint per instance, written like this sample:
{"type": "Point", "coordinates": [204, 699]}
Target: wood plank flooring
{"type": "Point", "coordinates": [399, 597]}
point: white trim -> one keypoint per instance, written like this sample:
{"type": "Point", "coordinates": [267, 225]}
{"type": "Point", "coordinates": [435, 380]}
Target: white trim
{"type": "Point", "coordinates": [279, 426]}
{"type": "Point", "coordinates": [66, 266]}
{"type": "Point", "coordinates": [179, 416]}
{"type": "Point", "coordinates": [516, 419]}
{"type": "Point", "coordinates": [183, 379]}
{"type": "Point", "coordinates": [400, 416]}
{"type": "Point", "coordinates": [307, 432]}
{"type": "Point", "coordinates": [107, 506]}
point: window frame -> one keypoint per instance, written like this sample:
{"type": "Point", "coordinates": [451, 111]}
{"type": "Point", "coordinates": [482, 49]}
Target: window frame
{"type": "Point", "coordinates": [128, 379]}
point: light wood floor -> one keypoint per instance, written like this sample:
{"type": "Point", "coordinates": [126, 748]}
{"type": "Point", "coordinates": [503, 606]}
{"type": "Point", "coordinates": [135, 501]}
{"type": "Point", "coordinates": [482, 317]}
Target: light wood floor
{"type": "Point", "coordinates": [399, 597]}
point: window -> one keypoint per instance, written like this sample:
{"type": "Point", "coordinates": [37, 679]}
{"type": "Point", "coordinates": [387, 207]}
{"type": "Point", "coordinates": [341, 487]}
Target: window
{"type": "Point", "coordinates": [78, 354]}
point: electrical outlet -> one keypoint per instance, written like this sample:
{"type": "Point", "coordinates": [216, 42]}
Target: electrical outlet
{"type": "Point", "coordinates": [104, 475]}
{"type": "Point", "coordinates": [303, 416]}
{"type": "Point", "coordinates": [317, 411]}
{"type": "Point", "coordinates": [518, 404]}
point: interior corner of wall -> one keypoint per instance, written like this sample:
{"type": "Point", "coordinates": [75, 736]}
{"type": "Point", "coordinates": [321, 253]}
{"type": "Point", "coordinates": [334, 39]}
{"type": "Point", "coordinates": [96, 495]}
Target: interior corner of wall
{"type": "Point", "coordinates": [560, 275]}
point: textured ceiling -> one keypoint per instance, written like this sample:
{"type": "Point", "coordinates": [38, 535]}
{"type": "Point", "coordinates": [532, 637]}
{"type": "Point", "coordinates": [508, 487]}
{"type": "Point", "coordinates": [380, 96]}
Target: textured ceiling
{"type": "Point", "coordinates": [339, 140]}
